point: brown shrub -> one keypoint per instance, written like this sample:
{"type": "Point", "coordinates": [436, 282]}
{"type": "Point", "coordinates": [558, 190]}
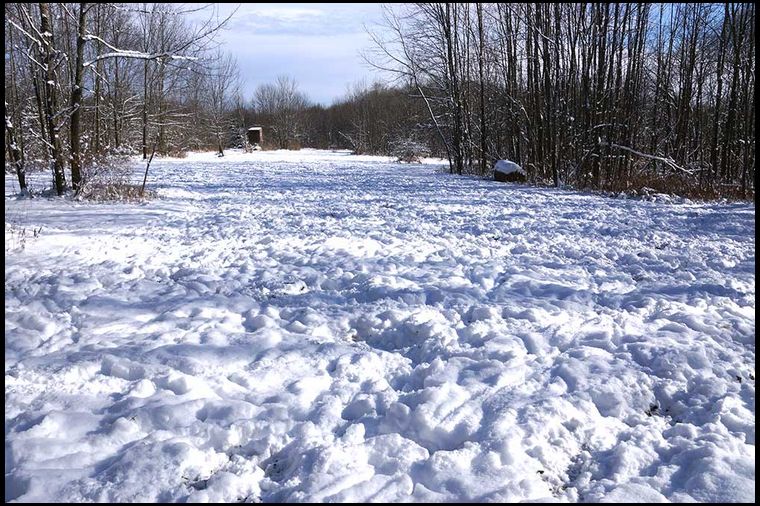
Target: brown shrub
{"type": "Point", "coordinates": [115, 192]}
{"type": "Point", "coordinates": [109, 179]}
{"type": "Point", "coordinates": [676, 184]}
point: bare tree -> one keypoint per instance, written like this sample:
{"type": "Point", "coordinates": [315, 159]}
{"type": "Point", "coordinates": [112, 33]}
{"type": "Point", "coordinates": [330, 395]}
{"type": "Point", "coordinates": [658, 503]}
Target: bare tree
{"type": "Point", "coordinates": [50, 62]}
{"type": "Point", "coordinates": [75, 90]}
{"type": "Point", "coordinates": [283, 106]}
{"type": "Point", "coordinates": [76, 99]}
{"type": "Point", "coordinates": [221, 85]}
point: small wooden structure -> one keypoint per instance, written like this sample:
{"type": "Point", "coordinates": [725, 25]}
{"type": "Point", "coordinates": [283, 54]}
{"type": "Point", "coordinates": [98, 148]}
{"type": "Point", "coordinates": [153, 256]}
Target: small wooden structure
{"type": "Point", "coordinates": [255, 136]}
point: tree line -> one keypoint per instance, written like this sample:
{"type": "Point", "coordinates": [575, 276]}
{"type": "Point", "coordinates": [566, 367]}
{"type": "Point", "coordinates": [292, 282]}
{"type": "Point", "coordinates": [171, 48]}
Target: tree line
{"type": "Point", "coordinates": [89, 81]}
{"type": "Point", "coordinates": [371, 118]}
{"type": "Point", "coordinates": [84, 81]}
{"type": "Point", "coordinates": [600, 95]}
{"type": "Point", "coordinates": [610, 96]}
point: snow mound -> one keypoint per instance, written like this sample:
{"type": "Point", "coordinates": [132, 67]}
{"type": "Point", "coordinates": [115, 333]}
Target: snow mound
{"type": "Point", "coordinates": [508, 167]}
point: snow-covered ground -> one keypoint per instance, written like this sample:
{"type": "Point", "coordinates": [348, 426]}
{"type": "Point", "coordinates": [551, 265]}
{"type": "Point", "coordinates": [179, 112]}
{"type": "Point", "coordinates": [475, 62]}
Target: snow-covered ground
{"type": "Point", "coordinates": [314, 326]}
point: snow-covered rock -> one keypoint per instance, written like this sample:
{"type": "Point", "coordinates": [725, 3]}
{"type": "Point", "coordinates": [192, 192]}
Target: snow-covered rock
{"type": "Point", "coordinates": [507, 171]}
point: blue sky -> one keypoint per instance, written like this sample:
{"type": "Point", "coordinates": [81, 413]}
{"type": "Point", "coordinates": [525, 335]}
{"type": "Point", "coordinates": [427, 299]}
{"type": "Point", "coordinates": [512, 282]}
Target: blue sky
{"type": "Point", "coordinates": [317, 44]}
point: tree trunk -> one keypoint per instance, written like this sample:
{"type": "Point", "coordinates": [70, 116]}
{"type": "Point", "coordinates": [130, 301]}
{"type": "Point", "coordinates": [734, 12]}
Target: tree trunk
{"type": "Point", "coordinates": [145, 112]}
{"type": "Point", "coordinates": [51, 106]}
{"type": "Point", "coordinates": [76, 103]}
{"type": "Point", "coordinates": [481, 60]}
{"type": "Point", "coordinates": [14, 154]}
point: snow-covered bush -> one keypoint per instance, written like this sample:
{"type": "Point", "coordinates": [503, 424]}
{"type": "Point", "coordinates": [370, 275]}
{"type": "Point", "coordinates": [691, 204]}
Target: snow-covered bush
{"type": "Point", "coordinates": [409, 150]}
{"type": "Point", "coordinates": [108, 179]}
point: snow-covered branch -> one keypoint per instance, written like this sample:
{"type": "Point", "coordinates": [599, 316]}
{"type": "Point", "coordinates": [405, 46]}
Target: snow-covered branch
{"type": "Point", "coordinates": [139, 55]}
{"type": "Point", "coordinates": [29, 35]}
{"type": "Point", "coordinates": [667, 161]}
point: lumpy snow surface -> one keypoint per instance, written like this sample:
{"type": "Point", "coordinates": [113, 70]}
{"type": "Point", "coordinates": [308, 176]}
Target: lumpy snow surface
{"type": "Point", "coordinates": [316, 326]}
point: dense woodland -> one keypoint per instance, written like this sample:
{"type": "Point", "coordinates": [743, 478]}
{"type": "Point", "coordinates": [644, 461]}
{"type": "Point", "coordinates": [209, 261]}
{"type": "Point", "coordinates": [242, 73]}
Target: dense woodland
{"type": "Point", "coordinates": [594, 95]}
{"type": "Point", "coordinates": [610, 96]}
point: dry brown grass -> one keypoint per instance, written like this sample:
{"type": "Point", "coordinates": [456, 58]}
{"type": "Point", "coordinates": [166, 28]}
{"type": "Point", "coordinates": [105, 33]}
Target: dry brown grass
{"type": "Point", "coordinates": [679, 185]}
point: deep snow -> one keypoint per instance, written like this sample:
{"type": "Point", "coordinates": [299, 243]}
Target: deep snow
{"type": "Point", "coordinates": [315, 326]}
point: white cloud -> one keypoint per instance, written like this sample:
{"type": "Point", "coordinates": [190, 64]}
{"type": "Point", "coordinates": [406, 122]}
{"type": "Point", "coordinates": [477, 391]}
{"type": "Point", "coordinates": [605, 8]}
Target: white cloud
{"type": "Point", "coordinates": [318, 44]}
{"type": "Point", "coordinates": [312, 19]}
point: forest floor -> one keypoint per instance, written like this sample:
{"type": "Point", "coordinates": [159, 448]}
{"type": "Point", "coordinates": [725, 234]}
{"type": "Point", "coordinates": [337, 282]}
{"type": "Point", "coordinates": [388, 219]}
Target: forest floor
{"type": "Point", "coordinates": [316, 326]}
